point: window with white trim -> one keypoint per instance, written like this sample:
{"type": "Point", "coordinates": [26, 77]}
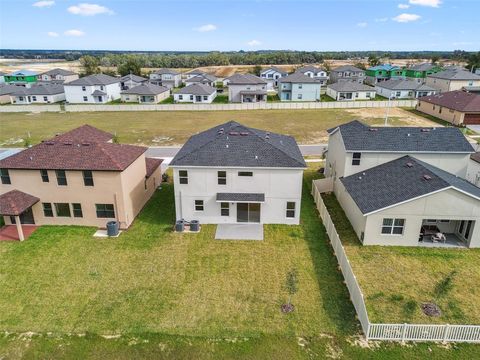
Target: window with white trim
{"type": "Point", "coordinates": [199, 205]}
{"type": "Point", "coordinates": [393, 226]}
{"type": "Point", "coordinates": [356, 157]}
{"type": "Point", "coordinates": [224, 209]}
{"type": "Point", "coordinates": [183, 176]}
{"type": "Point", "coordinates": [222, 177]}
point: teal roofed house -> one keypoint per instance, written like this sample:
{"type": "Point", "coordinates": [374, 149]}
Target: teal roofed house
{"type": "Point", "coordinates": [21, 77]}
{"type": "Point", "coordinates": [384, 72]}
{"type": "Point", "coordinates": [419, 72]}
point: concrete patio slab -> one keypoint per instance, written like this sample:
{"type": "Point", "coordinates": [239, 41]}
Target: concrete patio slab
{"type": "Point", "coordinates": [239, 232]}
{"type": "Point", "coordinates": [102, 233]}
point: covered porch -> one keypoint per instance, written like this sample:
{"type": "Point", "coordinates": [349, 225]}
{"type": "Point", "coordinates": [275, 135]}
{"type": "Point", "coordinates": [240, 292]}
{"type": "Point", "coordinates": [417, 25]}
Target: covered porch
{"type": "Point", "coordinates": [253, 96]}
{"type": "Point", "coordinates": [99, 96]}
{"type": "Point", "coordinates": [17, 205]}
{"type": "Point", "coordinates": [446, 233]}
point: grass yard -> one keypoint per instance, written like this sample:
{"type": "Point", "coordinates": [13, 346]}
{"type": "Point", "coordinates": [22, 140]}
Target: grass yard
{"type": "Point", "coordinates": [174, 127]}
{"type": "Point", "coordinates": [152, 293]}
{"type": "Point", "coordinates": [397, 280]}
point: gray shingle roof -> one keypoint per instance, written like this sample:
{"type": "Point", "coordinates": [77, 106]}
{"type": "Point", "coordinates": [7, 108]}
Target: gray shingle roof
{"type": "Point", "coordinates": [238, 197]}
{"type": "Point", "coordinates": [202, 78]}
{"type": "Point", "coordinates": [422, 67]}
{"type": "Point", "coordinates": [35, 89]}
{"type": "Point", "coordinates": [274, 68]}
{"type": "Point", "coordinates": [165, 71]}
{"type": "Point", "coordinates": [197, 89]}
{"type": "Point", "coordinates": [133, 77]}
{"type": "Point", "coordinates": [58, 71]}
{"type": "Point", "coordinates": [297, 78]}
{"type": "Point", "coordinates": [458, 74]}
{"type": "Point", "coordinates": [350, 86]}
{"type": "Point", "coordinates": [239, 146]}
{"type": "Point", "coordinates": [400, 180]}
{"type": "Point", "coordinates": [96, 79]}
{"type": "Point", "coordinates": [6, 89]}
{"type": "Point", "coordinates": [360, 137]}
{"type": "Point", "coordinates": [98, 93]}
{"type": "Point", "coordinates": [245, 79]}
{"type": "Point", "coordinates": [146, 89]}
{"type": "Point", "coordinates": [399, 84]}
{"type": "Point", "coordinates": [347, 68]}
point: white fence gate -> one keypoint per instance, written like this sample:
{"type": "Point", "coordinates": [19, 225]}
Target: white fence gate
{"type": "Point", "coordinates": [393, 332]}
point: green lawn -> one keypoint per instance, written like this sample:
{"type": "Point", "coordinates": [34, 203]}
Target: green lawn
{"type": "Point", "coordinates": [220, 99]}
{"type": "Point", "coordinates": [174, 127]}
{"type": "Point", "coordinates": [158, 294]}
{"type": "Point", "coordinates": [397, 280]}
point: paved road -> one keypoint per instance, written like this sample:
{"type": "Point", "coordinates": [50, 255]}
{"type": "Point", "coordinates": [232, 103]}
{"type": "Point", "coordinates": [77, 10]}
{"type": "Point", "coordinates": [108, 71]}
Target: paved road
{"type": "Point", "coordinates": [170, 151]}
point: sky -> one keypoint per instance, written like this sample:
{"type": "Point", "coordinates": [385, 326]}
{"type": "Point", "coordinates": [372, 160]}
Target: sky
{"type": "Point", "coordinates": [180, 25]}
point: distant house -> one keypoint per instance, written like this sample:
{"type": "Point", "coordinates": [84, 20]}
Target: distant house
{"type": "Point", "coordinates": [450, 80]}
{"type": "Point", "coordinates": [420, 72]}
{"type": "Point", "coordinates": [350, 90]}
{"type": "Point", "coordinates": [473, 172]}
{"type": "Point", "coordinates": [403, 89]}
{"type": "Point", "coordinates": [272, 75]}
{"type": "Point", "coordinates": [38, 94]}
{"type": "Point", "coordinates": [457, 107]}
{"type": "Point", "coordinates": [246, 88]}
{"type": "Point", "coordinates": [166, 77]}
{"type": "Point", "coordinates": [77, 178]}
{"type": "Point", "coordinates": [145, 93]}
{"type": "Point", "coordinates": [347, 73]}
{"type": "Point", "coordinates": [196, 93]}
{"type": "Point", "coordinates": [21, 77]}
{"type": "Point", "coordinates": [472, 89]}
{"type": "Point", "coordinates": [298, 87]}
{"type": "Point", "coordinates": [58, 74]}
{"type": "Point", "coordinates": [384, 72]}
{"type": "Point", "coordinates": [206, 79]}
{"type": "Point", "coordinates": [93, 89]}
{"type": "Point", "coordinates": [193, 73]}
{"type": "Point", "coordinates": [5, 91]}
{"type": "Point", "coordinates": [131, 80]}
{"type": "Point", "coordinates": [233, 174]}
{"type": "Point", "coordinates": [2, 77]}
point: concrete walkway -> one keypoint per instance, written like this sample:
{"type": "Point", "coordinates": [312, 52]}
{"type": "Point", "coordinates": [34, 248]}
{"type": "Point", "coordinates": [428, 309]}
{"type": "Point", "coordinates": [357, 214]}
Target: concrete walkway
{"type": "Point", "coordinates": [239, 232]}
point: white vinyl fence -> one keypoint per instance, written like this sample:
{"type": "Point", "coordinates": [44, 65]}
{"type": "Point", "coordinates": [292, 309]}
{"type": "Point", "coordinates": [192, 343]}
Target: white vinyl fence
{"type": "Point", "coordinates": [243, 106]}
{"type": "Point", "coordinates": [393, 332]}
{"type": "Point", "coordinates": [30, 108]}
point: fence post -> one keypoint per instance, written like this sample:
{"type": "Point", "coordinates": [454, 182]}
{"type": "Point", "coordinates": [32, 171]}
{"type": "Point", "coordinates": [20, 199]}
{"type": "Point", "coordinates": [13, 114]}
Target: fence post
{"type": "Point", "coordinates": [404, 331]}
{"type": "Point", "coordinates": [445, 334]}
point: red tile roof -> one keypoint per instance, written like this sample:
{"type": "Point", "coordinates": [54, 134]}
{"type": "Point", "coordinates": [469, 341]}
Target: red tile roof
{"type": "Point", "coordinates": [152, 165]}
{"type": "Point", "coordinates": [84, 133]}
{"type": "Point", "coordinates": [84, 148]}
{"type": "Point", "coordinates": [15, 202]}
{"type": "Point", "coordinates": [456, 100]}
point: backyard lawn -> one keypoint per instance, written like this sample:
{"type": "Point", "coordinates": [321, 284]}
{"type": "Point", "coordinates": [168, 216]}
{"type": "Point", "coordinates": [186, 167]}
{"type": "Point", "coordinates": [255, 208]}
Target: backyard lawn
{"type": "Point", "coordinates": [397, 280]}
{"type": "Point", "coordinates": [152, 293]}
{"type": "Point", "coordinates": [174, 127]}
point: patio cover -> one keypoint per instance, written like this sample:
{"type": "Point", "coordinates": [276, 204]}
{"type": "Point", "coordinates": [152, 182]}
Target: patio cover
{"type": "Point", "coordinates": [15, 202]}
{"type": "Point", "coordinates": [240, 197]}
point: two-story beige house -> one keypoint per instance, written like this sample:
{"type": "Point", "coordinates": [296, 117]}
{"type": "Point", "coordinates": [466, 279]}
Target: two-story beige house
{"type": "Point", "coordinates": [405, 186]}
{"type": "Point", "coordinates": [452, 79]}
{"type": "Point", "coordinates": [77, 178]}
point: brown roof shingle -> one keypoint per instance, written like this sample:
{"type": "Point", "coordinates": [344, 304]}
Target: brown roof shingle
{"type": "Point", "coordinates": [456, 100]}
{"type": "Point", "coordinates": [152, 165]}
{"type": "Point", "coordinates": [84, 133]}
{"type": "Point", "coordinates": [15, 202]}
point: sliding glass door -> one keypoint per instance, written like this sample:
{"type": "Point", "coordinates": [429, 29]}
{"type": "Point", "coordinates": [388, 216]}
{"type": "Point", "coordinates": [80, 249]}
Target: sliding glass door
{"type": "Point", "coordinates": [248, 212]}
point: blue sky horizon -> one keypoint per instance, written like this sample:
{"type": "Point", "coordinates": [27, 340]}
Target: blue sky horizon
{"type": "Point", "coordinates": [189, 25]}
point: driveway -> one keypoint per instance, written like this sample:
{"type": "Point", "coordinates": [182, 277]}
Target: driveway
{"type": "Point", "coordinates": [239, 232]}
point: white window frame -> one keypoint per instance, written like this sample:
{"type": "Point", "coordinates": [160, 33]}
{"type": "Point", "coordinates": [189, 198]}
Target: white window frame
{"type": "Point", "coordinates": [287, 210]}
{"type": "Point", "coordinates": [180, 177]}
{"type": "Point", "coordinates": [393, 226]}
{"type": "Point", "coordinates": [201, 204]}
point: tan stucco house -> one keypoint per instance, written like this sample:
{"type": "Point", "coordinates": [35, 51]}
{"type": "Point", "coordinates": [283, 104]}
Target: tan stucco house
{"type": "Point", "coordinates": [452, 79]}
{"type": "Point", "coordinates": [457, 107]}
{"type": "Point", "coordinates": [401, 185]}
{"type": "Point", "coordinates": [77, 178]}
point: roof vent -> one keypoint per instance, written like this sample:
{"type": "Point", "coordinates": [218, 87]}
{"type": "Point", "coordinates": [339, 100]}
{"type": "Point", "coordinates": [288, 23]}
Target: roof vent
{"type": "Point", "coordinates": [234, 133]}
{"type": "Point", "coordinates": [427, 177]}
{"type": "Point", "coordinates": [256, 157]}
{"type": "Point", "coordinates": [409, 164]}
{"type": "Point", "coordinates": [409, 134]}
{"type": "Point", "coordinates": [49, 143]}
{"type": "Point", "coordinates": [359, 178]}
{"type": "Point", "coordinates": [244, 133]}
{"type": "Point", "coordinates": [425, 130]}
{"type": "Point", "coordinates": [31, 158]}
{"type": "Point", "coordinates": [373, 129]}
{"type": "Point", "coordinates": [226, 146]}
{"type": "Point", "coordinates": [267, 135]}
{"type": "Point", "coordinates": [67, 143]}
{"type": "Point", "coordinates": [85, 144]}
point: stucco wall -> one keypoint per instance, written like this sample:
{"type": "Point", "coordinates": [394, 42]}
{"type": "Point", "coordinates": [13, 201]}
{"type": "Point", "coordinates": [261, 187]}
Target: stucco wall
{"type": "Point", "coordinates": [234, 90]}
{"type": "Point", "coordinates": [473, 172]}
{"type": "Point", "coordinates": [74, 93]}
{"type": "Point", "coordinates": [278, 185]}
{"type": "Point", "coordinates": [450, 85]}
{"type": "Point", "coordinates": [450, 115]}
{"type": "Point", "coordinates": [307, 91]}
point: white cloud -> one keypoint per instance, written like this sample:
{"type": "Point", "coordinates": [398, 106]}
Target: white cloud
{"type": "Point", "coordinates": [381, 19]}
{"type": "Point", "coordinates": [405, 18]}
{"type": "Point", "coordinates": [52, 34]}
{"type": "Point", "coordinates": [403, 6]}
{"type": "Point", "coordinates": [206, 28]}
{"type": "Point", "coordinates": [74, 32]}
{"type": "Point", "coordinates": [42, 4]}
{"type": "Point", "coordinates": [430, 3]}
{"type": "Point", "coordinates": [362, 24]}
{"type": "Point", "coordinates": [86, 9]}
{"type": "Point", "coordinates": [254, 43]}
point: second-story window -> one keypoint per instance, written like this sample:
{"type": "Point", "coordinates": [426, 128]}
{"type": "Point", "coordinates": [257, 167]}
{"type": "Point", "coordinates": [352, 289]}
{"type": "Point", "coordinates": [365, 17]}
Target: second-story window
{"type": "Point", "coordinates": [61, 177]}
{"type": "Point", "coordinates": [5, 176]}
{"type": "Point", "coordinates": [222, 177]}
{"type": "Point", "coordinates": [44, 175]}
{"type": "Point", "coordinates": [245, 173]}
{"type": "Point", "coordinates": [183, 176]}
{"type": "Point", "coordinates": [87, 178]}
{"type": "Point", "coordinates": [84, 88]}
{"type": "Point", "coordinates": [356, 158]}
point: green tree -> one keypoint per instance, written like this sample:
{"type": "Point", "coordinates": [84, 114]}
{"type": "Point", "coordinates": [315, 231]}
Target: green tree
{"type": "Point", "coordinates": [473, 61]}
{"type": "Point", "coordinates": [373, 60]}
{"type": "Point", "coordinates": [434, 59]}
{"type": "Point", "coordinates": [90, 64]}
{"type": "Point", "coordinates": [131, 66]}
{"type": "Point", "coordinates": [257, 69]}
{"type": "Point", "coordinates": [360, 65]}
